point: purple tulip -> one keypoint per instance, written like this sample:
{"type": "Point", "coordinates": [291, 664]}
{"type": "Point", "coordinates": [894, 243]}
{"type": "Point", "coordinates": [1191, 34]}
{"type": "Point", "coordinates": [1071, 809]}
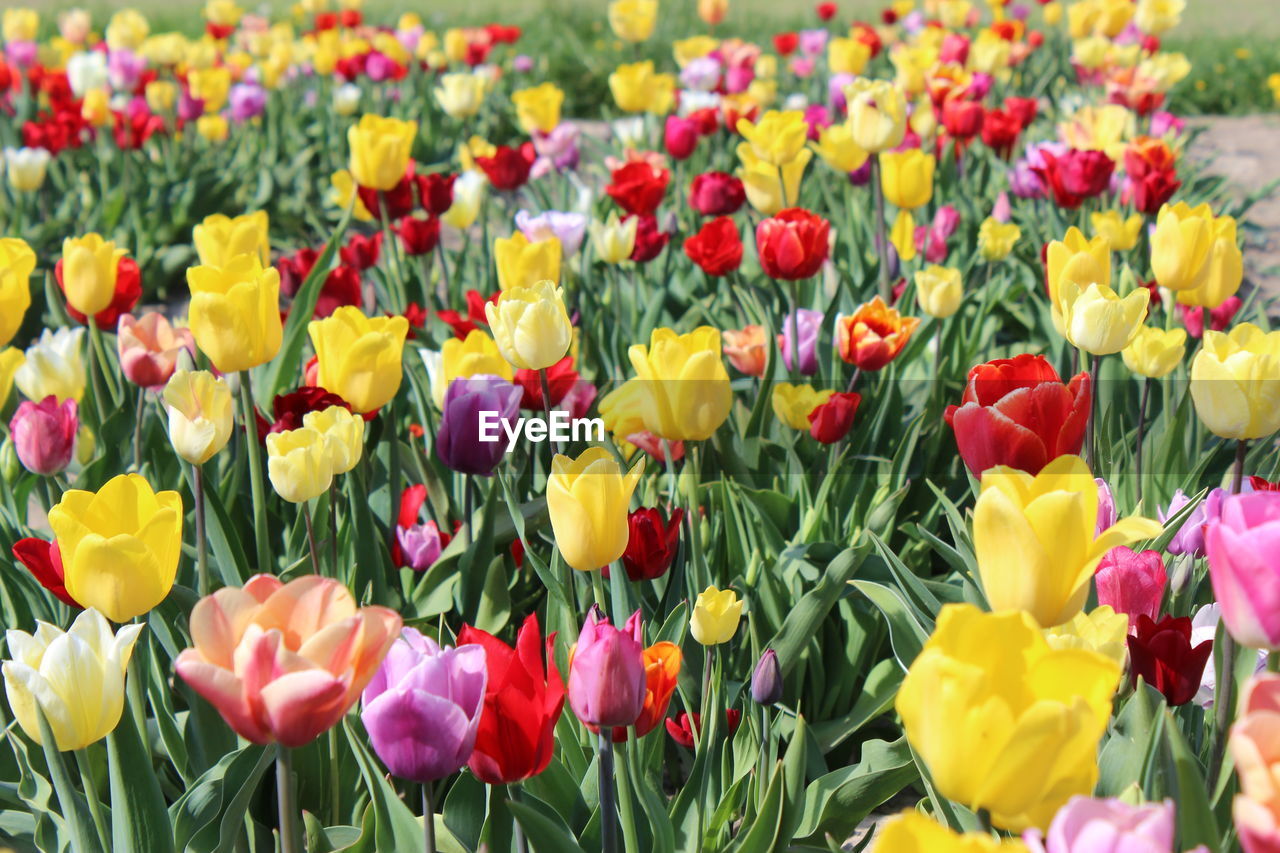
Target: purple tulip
{"type": "Point", "coordinates": [421, 545]}
{"type": "Point", "coordinates": [124, 69]}
{"type": "Point", "coordinates": [809, 324]}
{"type": "Point", "coordinates": [1132, 583]}
{"type": "Point", "coordinates": [557, 150]}
{"type": "Point", "coordinates": [606, 675]}
{"type": "Point", "coordinates": [1002, 211]}
{"type": "Point", "coordinates": [1106, 507]}
{"type": "Point", "coordinates": [1087, 825]}
{"type": "Point", "coordinates": [766, 679]}
{"type": "Point", "coordinates": [1190, 536]}
{"type": "Point", "coordinates": [813, 42]}
{"type": "Point", "coordinates": [835, 91]}
{"type": "Point", "coordinates": [861, 176]}
{"type": "Point", "coordinates": [522, 63]}
{"type": "Point", "coordinates": [189, 108]}
{"type": "Point", "coordinates": [1243, 545]}
{"type": "Point", "coordinates": [460, 442]}
{"type": "Point", "coordinates": [23, 53]}
{"type": "Point", "coordinates": [422, 708]}
{"type": "Point", "coordinates": [701, 74]}
{"type": "Point", "coordinates": [568, 228]}
{"type": "Point", "coordinates": [44, 434]}
{"type": "Point", "coordinates": [247, 101]}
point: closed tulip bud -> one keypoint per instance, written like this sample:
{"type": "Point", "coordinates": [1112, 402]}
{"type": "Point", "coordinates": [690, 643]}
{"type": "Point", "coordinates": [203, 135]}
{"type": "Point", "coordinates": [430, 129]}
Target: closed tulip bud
{"type": "Point", "coordinates": [380, 150]}
{"type": "Point", "coordinates": [75, 679]}
{"type": "Point", "coordinates": [44, 434]}
{"type": "Point", "coordinates": [1235, 382]}
{"type": "Point", "coordinates": [1098, 321]}
{"type": "Point", "coordinates": [997, 239]}
{"type": "Point", "coordinates": [612, 240]}
{"type": "Point", "coordinates": [766, 679]}
{"type": "Point", "coordinates": [607, 682]}
{"type": "Point", "coordinates": [360, 358]}
{"type": "Point", "coordinates": [715, 617]}
{"type": "Point", "coordinates": [939, 290]}
{"type": "Point", "coordinates": [235, 312]}
{"type": "Point", "coordinates": [149, 348]}
{"type": "Point", "coordinates": [53, 365]}
{"type": "Point", "coordinates": [120, 546]}
{"type": "Point", "coordinates": [200, 414]}
{"type": "Point", "coordinates": [1180, 245]}
{"type": "Point", "coordinates": [538, 107]}
{"type": "Point", "coordinates": [10, 466]}
{"type": "Point", "coordinates": [343, 432]}
{"type": "Point", "coordinates": [220, 238]}
{"type": "Point", "coordinates": [1154, 353]}
{"type": "Point", "coordinates": [877, 114]}
{"type": "Point", "coordinates": [793, 403]}
{"type": "Point", "coordinates": [17, 262]}
{"type": "Point", "coordinates": [530, 325]}
{"type": "Point", "coordinates": [1076, 259]}
{"type": "Point", "coordinates": [1036, 538]}
{"type": "Point", "coordinates": [1120, 233]}
{"type": "Point", "coordinates": [588, 499]}
{"type": "Point", "coordinates": [651, 543]}
{"type": "Point", "coordinates": [633, 20]}
{"type": "Point", "coordinates": [26, 168]}
{"type": "Point", "coordinates": [778, 138]}
{"type": "Point", "coordinates": [89, 266]}
{"type": "Point", "coordinates": [907, 177]}
{"type": "Point", "coordinates": [461, 95]}
{"type": "Point", "coordinates": [522, 263]}
{"type": "Point", "coordinates": [299, 464]}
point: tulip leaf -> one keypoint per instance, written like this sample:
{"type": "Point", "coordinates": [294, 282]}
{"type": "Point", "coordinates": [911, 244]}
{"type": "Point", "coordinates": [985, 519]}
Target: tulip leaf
{"type": "Point", "coordinates": [71, 804]}
{"type": "Point", "coordinates": [1196, 822]}
{"type": "Point", "coordinates": [139, 820]}
{"type": "Point", "coordinates": [806, 617]}
{"type": "Point", "coordinates": [906, 635]}
{"type": "Point", "coordinates": [464, 808]}
{"type": "Point", "coordinates": [875, 698]}
{"type": "Point", "coordinates": [834, 804]}
{"type": "Point", "coordinates": [209, 814]}
{"type": "Point", "coordinates": [1124, 755]}
{"type": "Point", "coordinates": [543, 828]}
{"type": "Point", "coordinates": [764, 833]}
{"type": "Point", "coordinates": [397, 828]}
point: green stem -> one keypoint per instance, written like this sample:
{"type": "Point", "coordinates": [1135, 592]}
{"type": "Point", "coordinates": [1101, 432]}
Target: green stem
{"type": "Point", "coordinates": [202, 543]}
{"type": "Point", "coordinates": [608, 799]}
{"type": "Point", "coordinates": [794, 322]}
{"type": "Point", "coordinates": [393, 468]}
{"type": "Point", "coordinates": [1142, 425]}
{"type": "Point", "coordinates": [546, 405]}
{"type": "Point", "coordinates": [100, 354]}
{"type": "Point", "coordinates": [286, 810]}
{"type": "Point", "coordinates": [138, 416]}
{"type": "Point", "coordinates": [626, 809]}
{"type": "Point", "coordinates": [335, 779]}
{"type": "Point", "coordinates": [311, 538]}
{"type": "Point", "coordinates": [428, 817]}
{"type": "Point", "coordinates": [597, 588]}
{"type": "Point", "coordinates": [882, 235]}
{"type": "Point", "coordinates": [255, 471]}
{"type": "Point", "coordinates": [91, 794]}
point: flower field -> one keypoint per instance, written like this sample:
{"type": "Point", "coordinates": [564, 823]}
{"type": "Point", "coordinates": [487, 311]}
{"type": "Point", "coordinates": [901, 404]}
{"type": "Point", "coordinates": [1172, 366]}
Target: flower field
{"type": "Point", "coordinates": [683, 433]}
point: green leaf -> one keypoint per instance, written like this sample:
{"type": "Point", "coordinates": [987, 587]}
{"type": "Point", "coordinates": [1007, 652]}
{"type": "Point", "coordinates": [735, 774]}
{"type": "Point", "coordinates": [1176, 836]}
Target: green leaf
{"type": "Point", "coordinates": [808, 614]}
{"type": "Point", "coordinates": [906, 635]}
{"type": "Point", "coordinates": [209, 815]}
{"type": "Point", "coordinates": [1196, 823]}
{"type": "Point", "coordinates": [396, 827]}
{"type": "Point", "coordinates": [836, 803]}
{"type": "Point", "coordinates": [139, 820]}
{"type": "Point", "coordinates": [542, 831]}
{"type": "Point", "coordinates": [878, 692]}
{"type": "Point", "coordinates": [72, 805]}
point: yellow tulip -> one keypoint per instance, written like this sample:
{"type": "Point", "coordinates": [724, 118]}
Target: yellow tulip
{"type": "Point", "coordinates": [877, 114]}
{"type": "Point", "coordinates": [907, 177]}
{"type": "Point", "coordinates": [89, 272]}
{"type": "Point", "coordinates": [695, 47]}
{"type": "Point", "coordinates": [299, 464]}
{"type": "Point", "coordinates": [1181, 244]}
{"type": "Point", "coordinates": [636, 88]}
{"type": "Point", "coordinates": [210, 85]}
{"type": "Point", "coordinates": [235, 312]}
{"type": "Point", "coordinates": [939, 290]}
{"type": "Point", "coordinates": [612, 240]}
{"type": "Point", "coordinates": [75, 679]}
{"type": "Point", "coordinates": [712, 12]}
{"type": "Point", "coordinates": [1034, 538]}
{"type": "Point", "coordinates": [380, 150]}
{"type": "Point", "coordinates": [538, 107]}
{"type": "Point", "coordinates": [346, 194]}
{"type": "Point", "coordinates": [20, 24]}
{"type": "Point", "coordinates": [923, 120]}
{"type": "Point", "coordinates": [17, 262]}
{"type": "Point", "coordinates": [522, 263]}
{"type": "Point", "coordinates": [360, 358]}
{"type": "Point", "coordinates": [903, 235]}
{"type": "Point", "coordinates": [633, 20]}
{"type": "Point", "coordinates": [997, 239]}
{"type": "Point", "coordinates": [777, 138]}
{"type": "Point", "coordinates": [1158, 16]}
{"type": "Point", "coordinates": [1154, 353]}
{"type": "Point", "coordinates": [343, 432]}
{"type": "Point", "coordinates": [11, 358]}
{"type": "Point", "coordinates": [1223, 269]}
{"type": "Point", "coordinates": [913, 832]}
{"type": "Point", "coordinates": [1121, 234]}
{"type": "Point", "coordinates": [1097, 320]}
{"type": "Point", "coordinates": [95, 107]}
{"type": "Point", "coordinates": [588, 499]}
{"type": "Point", "coordinates": [1235, 382]}
{"type": "Point", "coordinates": [681, 390]}
{"type": "Point", "coordinates": [1005, 722]}
{"type": "Point", "coordinates": [847, 55]}
{"type": "Point", "coordinates": [161, 95]}
{"type": "Point", "coordinates": [200, 414]}
{"type": "Point", "coordinates": [461, 95]}
{"type": "Point", "coordinates": [212, 128]}
{"type": "Point", "coordinates": [715, 617]}
{"type": "Point", "coordinates": [837, 149]}
{"type": "Point", "coordinates": [220, 238]}
{"type": "Point", "coordinates": [54, 366]}
{"type": "Point", "coordinates": [1101, 630]}
{"type": "Point", "coordinates": [474, 355]}
{"type": "Point", "coordinates": [127, 30]}
{"type": "Point", "coordinates": [530, 325]}
{"type": "Point", "coordinates": [26, 168]}
{"type": "Point", "coordinates": [224, 13]}
{"type": "Point", "coordinates": [120, 546]}
{"type": "Point", "coordinates": [1076, 259]}
{"type": "Point", "coordinates": [771, 188]}
{"type": "Point", "coordinates": [468, 193]}
{"type": "Point", "coordinates": [793, 403]}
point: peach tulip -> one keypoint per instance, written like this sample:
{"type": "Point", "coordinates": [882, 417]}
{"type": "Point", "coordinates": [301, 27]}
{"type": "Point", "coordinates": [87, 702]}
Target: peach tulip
{"type": "Point", "coordinates": [149, 348]}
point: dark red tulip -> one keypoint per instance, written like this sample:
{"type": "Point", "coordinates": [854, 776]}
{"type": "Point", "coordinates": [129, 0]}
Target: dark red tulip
{"type": "Point", "coordinates": [418, 236]}
{"type": "Point", "coordinates": [361, 251]}
{"type": "Point", "coordinates": [1076, 175]}
{"type": "Point", "coordinates": [508, 168]}
{"type": "Point", "coordinates": [649, 240]}
{"type": "Point", "coordinates": [287, 410]}
{"type": "Point", "coordinates": [961, 118]}
{"type": "Point", "coordinates": [1000, 131]}
{"type": "Point", "coordinates": [474, 318]}
{"type": "Point", "coordinates": [651, 543]}
{"type": "Point", "coordinates": [435, 192]}
{"type": "Point", "coordinates": [341, 287]}
{"type": "Point", "coordinates": [394, 203]}
{"type": "Point", "coordinates": [1161, 652]}
{"type": "Point", "coordinates": [716, 248]}
{"type": "Point", "coordinates": [717, 194]}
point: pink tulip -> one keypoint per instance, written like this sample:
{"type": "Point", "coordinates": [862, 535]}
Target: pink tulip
{"type": "Point", "coordinates": [1243, 545]}
{"type": "Point", "coordinates": [149, 348]}
{"type": "Point", "coordinates": [1087, 825]}
{"type": "Point", "coordinates": [1255, 749]}
{"type": "Point", "coordinates": [606, 672]}
{"type": "Point", "coordinates": [1132, 583]}
{"type": "Point", "coordinates": [284, 662]}
{"type": "Point", "coordinates": [44, 434]}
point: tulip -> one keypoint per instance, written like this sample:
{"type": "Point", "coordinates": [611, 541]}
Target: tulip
{"type": "Point", "coordinates": [793, 403]}
{"type": "Point", "coordinates": [661, 671]}
{"type": "Point", "coordinates": [44, 434]}
{"type": "Point", "coordinates": [716, 248]}
{"type": "Point", "coordinates": [472, 438]}
{"type": "Point", "coordinates": [902, 236]}
{"type": "Point", "coordinates": [716, 194]}
{"type": "Point", "coordinates": [877, 114]}
{"type": "Point", "coordinates": [1163, 656]}
{"type": "Point", "coordinates": [212, 128]}
{"type": "Point", "coordinates": [1100, 630]}
{"type": "Point", "coordinates": [220, 238]}
{"type": "Point", "coordinates": [907, 177]}
{"type": "Point", "coordinates": [127, 292]}
{"type": "Point", "coordinates": [200, 414]}
{"type": "Point", "coordinates": [538, 107]}
{"type": "Point", "coordinates": [809, 325]}
{"type": "Point", "coordinates": [997, 239]}
{"type": "Point", "coordinates": [914, 832]}
{"type": "Point", "coordinates": [681, 390]}
{"type": "Point", "coordinates": [343, 433]}
{"type": "Point", "coordinates": [1243, 545]}
{"type": "Point", "coordinates": [461, 95]}
{"type": "Point", "coordinates": [75, 679]}
{"type": "Point", "coordinates": [715, 616]}
{"type": "Point", "coordinates": [11, 359]}
{"type": "Point", "coordinates": [299, 464]}
{"type": "Point", "coordinates": [1077, 260]}
{"type": "Point", "coordinates": [44, 561]}
{"type": "Point", "coordinates": [978, 664]}
{"type": "Point", "coordinates": [685, 727]}
{"type": "Point", "coordinates": [284, 662]}
{"type": "Point", "coordinates": [1132, 583]}
{"type": "Point", "coordinates": [1154, 353]}
{"type": "Point", "coordinates": [939, 290]}
{"type": "Point", "coordinates": [793, 245]}
{"type": "Point", "coordinates": [468, 192]}
{"type": "Point", "coordinates": [1034, 538]}
{"type": "Point", "coordinates": [360, 358]}
{"type": "Point", "coordinates": [149, 348]}
{"type": "Point", "coordinates": [587, 499]}
{"type": "Point", "coordinates": [523, 264]}
{"type": "Point", "coordinates": [745, 348]}
{"type": "Point", "coordinates": [769, 188]}
{"type": "Point", "coordinates": [638, 187]}
{"type": "Point", "coordinates": [607, 683]}
{"type": "Point", "coordinates": [568, 228]}
{"type": "Point", "coordinates": [1235, 382]}
{"type": "Point", "coordinates": [474, 355]}
{"type": "Point", "coordinates": [89, 266]}
{"type": "Point", "coordinates": [235, 313]}
{"type": "Point", "coordinates": [778, 138]}
{"type": "Point", "coordinates": [120, 546]}
{"type": "Point", "coordinates": [1223, 269]}
{"type": "Point", "coordinates": [210, 86]}
{"type": "Point", "coordinates": [1253, 751]}
{"type": "Point", "coordinates": [873, 335]}
{"type": "Point", "coordinates": [1099, 321]}
{"type": "Point", "coordinates": [380, 151]}
{"type": "Point", "coordinates": [614, 241]}
{"type": "Point", "coordinates": [17, 261]}
{"type": "Point", "coordinates": [54, 365]}
{"type": "Point", "coordinates": [1087, 824]}
{"type": "Point", "coordinates": [530, 325]}
{"type": "Point", "coordinates": [1180, 245]}
{"type": "Point", "coordinates": [422, 707]}
{"type": "Point", "coordinates": [633, 20]}
{"type": "Point", "coordinates": [1189, 538]}
{"type": "Point", "coordinates": [831, 421]}
{"type": "Point", "coordinates": [26, 168]}
{"type": "Point", "coordinates": [1121, 234]}
{"type": "Point", "coordinates": [651, 543]}
{"type": "Point", "coordinates": [766, 680]}
{"type": "Point", "coordinates": [637, 89]}
{"type": "Point", "coordinates": [837, 149]}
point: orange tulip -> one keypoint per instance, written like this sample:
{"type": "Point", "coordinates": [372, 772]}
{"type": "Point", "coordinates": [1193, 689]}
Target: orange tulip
{"type": "Point", "coordinates": [661, 671]}
{"type": "Point", "coordinates": [872, 336]}
{"type": "Point", "coordinates": [746, 350]}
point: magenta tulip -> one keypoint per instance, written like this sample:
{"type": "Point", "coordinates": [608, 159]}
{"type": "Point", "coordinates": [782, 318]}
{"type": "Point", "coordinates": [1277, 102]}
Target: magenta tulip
{"type": "Point", "coordinates": [606, 672]}
{"type": "Point", "coordinates": [1087, 825]}
{"type": "Point", "coordinates": [1132, 583]}
{"type": "Point", "coordinates": [1243, 545]}
{"type": "Point", "coordinates": [44, 434]}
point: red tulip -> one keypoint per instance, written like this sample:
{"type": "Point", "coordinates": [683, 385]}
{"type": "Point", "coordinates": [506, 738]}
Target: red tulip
{"type": "Point", "coordinates": [395, 202]}
{"type": "Point", "coordinates": [649, 240]}
{"type": "Point", "coordinates": [361, 252]}
{"type": "Point", "coordinates": [561, 377]}
{"type": "Point", "coordinates": [832, 421]}
{"type": "Point", "coordinates": [508, 168]}
{"type": "Point", "coordinates": [716, 194]}
{"type": "Point", "coordinates": [826, 11]}
{"type": "Point", "coordinates": [1023, 109]}
{"type": "Point", "coordinates": [289, 409]}
{"type": "Point", "coordinates": [716, 248]}
{"type": "Point", "coordinates": [1016, 412]}
{"type": "Point", "coordinates": [683, 729]}
{"type": "Point", "coordinates": [474, 319]}
{"type": "Point", "coordinates": [294, 270]}
{"type": "Point", "coordinates": [435, 192]}
{"type": "Point", "coordinates": [128, 292]}
{"type": "Point", "coordinates": [1000, 131]}
{"type": "Point", "coordinates": [681, 136]}
{"type": "Point", "coordinates": [341, 287]}
{"type": "Point", "coordinates": [786, 43]}
{"type": "Point", "coordinates": [961, 118]}
{"type": "Point", "coordinates": [651, 543]}
{"type": "Point", "coordinates": [793, 245]}
{"type": "Point", "coordinates": [1152, 174]}
{"type": "Point", "coordinates": [418, 236]}
{"type": "Point", "coordinates": [1076, 175]}
{"type": "Point", "coordinates": [638, 187]}
{"type": "Point", "coordinates": [44, 561]}
{"type": "Point", "coordinates": [522, 702]}
{"type": "Point", "coordinates": [1162, 654]}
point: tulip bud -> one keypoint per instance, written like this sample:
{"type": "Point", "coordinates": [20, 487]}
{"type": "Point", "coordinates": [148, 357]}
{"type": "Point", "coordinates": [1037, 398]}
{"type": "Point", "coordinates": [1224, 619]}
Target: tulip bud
{"type": "Point", "coordinates": [606, 672]}
{"type": "Point", "coordinates": [44, 434]}
{"type": "Point", "coordinates": [766, 680]}
{"type": "Point", "coordinates": [299, 464]}
{"type": "Point", "coordinates": [86, 444]}
{"type": "Point", "coordinates": [10, 467]}
{"type": "Point", "coordinates": [939, 291]}
{"type": "Point", "coordinates": [715, 616]}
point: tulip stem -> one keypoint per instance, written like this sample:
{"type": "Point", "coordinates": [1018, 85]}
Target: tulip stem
{"type": "Point", "coordinates": [100, 355]}
{"type": "Point", "coordinates": [202, 547]}
{"type": "Point", "coordinates": [597, 587]}
{"type": "Point", "coordinates": [882, 240]}
{"type": "Point", "coordinates": [1142, 426]}
{"type": "Point", "coordinates": [311, 537]}
{"type": "Point", "coordinates": [1237, 474]}
{"type": "Point", "coordinates": [1091, 447]}
{"type": "Point", "coordinates": [390, 247]}
{"type": "Point", "coordinates": [91, 794]}
{"type": "Point", "coordinates": [546, 406]}
{"type": "Point", "coordinates": [608, 799]}
{"type": "Point", "coordinates": [429, 817]}
{"type": "Point", "coordinates": [630, 840]}
{"type": "Point", "coordinates": [247, 414]}
{"type": "Point", "coordinates": [793, 331]}
{"type": "Point", "coordinates": [138, 416]}
{"type": "Point", "coordinates": [468, 498]}
{"type": "Point", "coordinates": [1224, 685]}
{"type": "Point", "coordinates": [95, 375]}
{"type": "Point", "coordinates": [284, 801]}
